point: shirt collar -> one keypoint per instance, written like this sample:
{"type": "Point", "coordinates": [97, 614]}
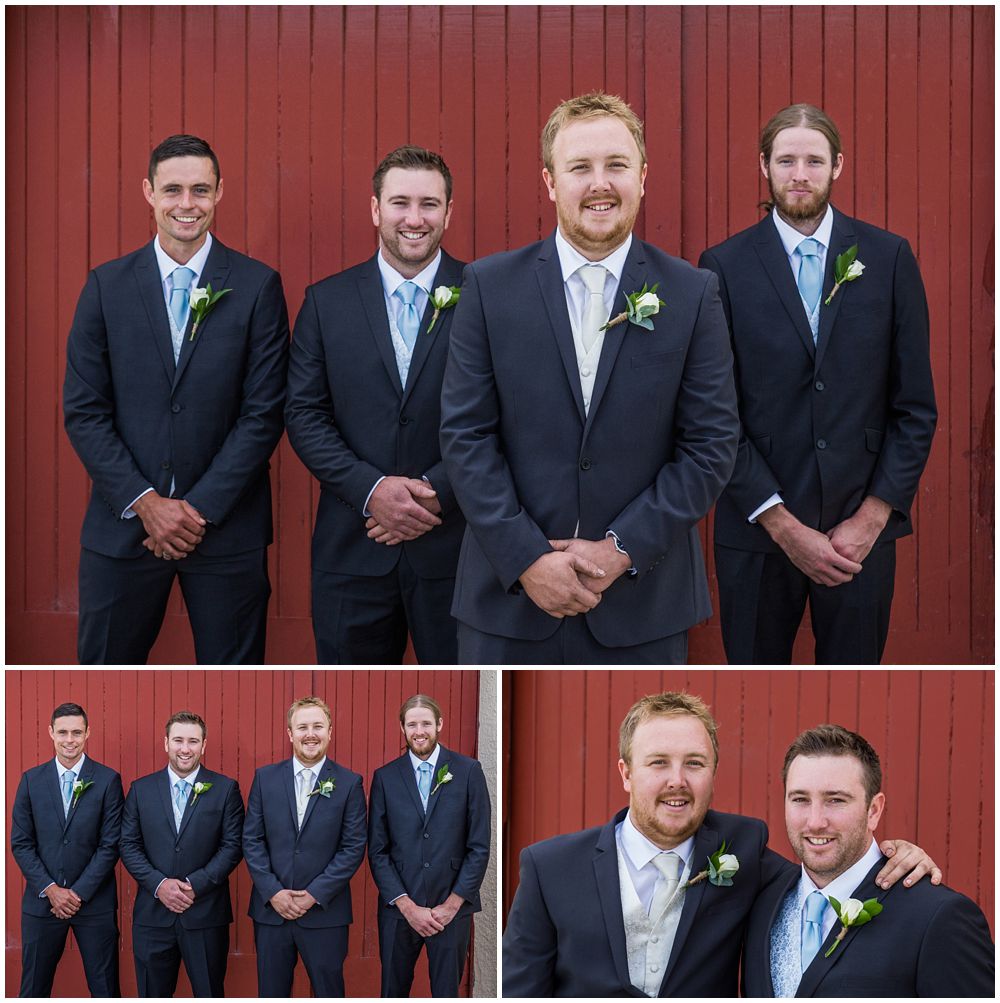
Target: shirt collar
{"type": "Point", "coordinates": [392, 280]}
{"type": "Point", "coordinates": [298, 766]}
{"type": "Point", "coordinates": [791, 238]}
{"type": "Point", "coordinates": [196, 264]}
{"type": "Point", "coordinates": [844, 884]}
{"type": "Point", "coordinates": [189, 779]}
{"type": "Point", "coordinates": [415, 761]}
{"type": "Point", "coordinates": [71, 769]}
{"type": "Point", "coordinates": [570, 259]}
{"type": "Point", "coordinates": [641, 851]}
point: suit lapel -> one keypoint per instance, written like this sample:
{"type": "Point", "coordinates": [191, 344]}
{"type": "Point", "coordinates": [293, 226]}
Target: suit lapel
{"type": "Point", "coordinates": [407, 778]}
{"type": "Point", "coordinates": [165, 790]}
{"type": "Point", "coordinates": [147, 276]}
{"type": "Point", "coordinates": [373, 298]}
{"type": "Point", "coordinates": [326, 772]}
{"type": "Point", "coordinates": [216, 273]}
{"type": "Point", "coordinates": [449, 273]}
{"type": "Point", "coordinates": [288, 778]}
{"type": "Point", "coordinates": [821, 966]}
{"type": "Point", "coordinates": [85, 774]}
{"type": "Point", "coordinates": [610, 895]}
{"type": "Point", "coordinates": [633, 278]}
{"type": "Point", "coordinates": [841, 239]}
{"type": "Point", "coordinates": [443, 760]}
{"type": "Point", "coordinates": [553, 290]}
{"type": "Point", "coordinates": [204, 777]}
{"type": "Point", "coordinates": [772, 256]}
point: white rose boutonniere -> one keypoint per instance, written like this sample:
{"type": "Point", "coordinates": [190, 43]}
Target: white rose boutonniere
{"type": "Point", "coordinates": [443, 298]}
{"type": "Point", "coordinates": [852, 913]}
{"type": "Point", "coordinates": [443, 777]}
{"type": "Point", "coordinates": [324, 789]}
{"type": "Point", "coordinates": [721, 868]}
{"type": "Point", "coordinates": [79, 788]}
{"type": "Point", "coordinates": [846, 269]}
{"type": "Point", "coordinates": [639, 307]}
{"type": "Point", "coordinates": [202, 302]}
{"type": "Point", "coordinates": [199, 789]}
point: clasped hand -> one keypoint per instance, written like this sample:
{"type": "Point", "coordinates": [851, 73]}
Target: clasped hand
{"type": "Point", "coordinates": [173, 526]}
{"type": "Point", "coordinates": [289, 904]}
{"type": "Point", "coordinates": [64, 901]}
{"type": "Point", "coordinates": [402, 508]}
{"type": "Point", "coordinates": [175, 894]}
{"type": "Point", "coordinates": [571, 578]}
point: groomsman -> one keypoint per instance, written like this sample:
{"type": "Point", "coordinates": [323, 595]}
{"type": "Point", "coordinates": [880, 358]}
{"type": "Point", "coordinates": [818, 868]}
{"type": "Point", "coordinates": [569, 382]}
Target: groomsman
{"type": "Point", "coordinates": [303, 839]}
{"type": "Point", "coordinates": [64, 837]}
{"type": "Point", "coordinates": [181, 839]}
{"type": "Point", "coordinates": [428, 848]}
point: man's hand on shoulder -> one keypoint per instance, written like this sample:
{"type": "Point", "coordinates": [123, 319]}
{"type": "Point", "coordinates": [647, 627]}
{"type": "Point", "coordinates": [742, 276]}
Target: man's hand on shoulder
{"type": "Point", "coordinates": [402, 509]}
{"type": "Point", "coordinates": [603, 553]}
{"type": "Point", "coordinates": [905, 859]}
{"type": "Point", "coordinates": [854, 537]}
{"type": "Point", "coordinates": [808, 549]}
{"type": "Point", "coordinates": [420, 918]}
{"type": "Point", "coordinates": [553, 583]}
{"type": "Point", "coordinates": [175, 528]}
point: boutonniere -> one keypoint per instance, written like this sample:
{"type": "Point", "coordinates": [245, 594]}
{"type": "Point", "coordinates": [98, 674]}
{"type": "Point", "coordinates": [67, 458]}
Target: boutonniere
{"type": "Point", "coordinates": [639, 308]}
{"type": "Point", "coordinates": [721, 868]}
{"type": "Point", "coordinates": [852, 913]}
{"type": "Point", "coordinates": [846, 269]}
{"type": "Point", "coordinates": [443, 298]}
{"type": "Point", "coordinates": [324, 788]}
{"type": "Point", "coordinates": [443, 777]}
{"type": "Point", "coordinates": [199, 788]}
{"type": "Point", "coordinates": [79, 788]}
{"type": "Point", "coordinates": [202, 302]}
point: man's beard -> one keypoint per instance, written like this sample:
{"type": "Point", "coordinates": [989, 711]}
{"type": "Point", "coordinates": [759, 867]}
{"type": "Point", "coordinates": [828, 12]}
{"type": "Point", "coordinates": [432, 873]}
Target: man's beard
{"type": "Point", "coordinates": [799, 210]}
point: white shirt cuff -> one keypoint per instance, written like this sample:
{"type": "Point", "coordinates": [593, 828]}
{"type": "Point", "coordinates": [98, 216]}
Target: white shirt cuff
{"type": "Point", "coordinates": [775, 499]}
{"type": "Point", "coordinates": [128, 513]}
{"type": "Point", "coordinates": [365, 511]}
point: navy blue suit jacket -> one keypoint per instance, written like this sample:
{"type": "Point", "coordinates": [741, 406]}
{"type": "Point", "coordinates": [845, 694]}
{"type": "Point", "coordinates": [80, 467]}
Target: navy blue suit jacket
{"type": "Point", "coordinates": [429, 856]}
{"type": "Point", "coordinates": [321, 858]}
{"type": "Point", "coordinates": [351, 421]}
{"type": "Point", "coordinates": [825, 425]}
{"type": "Point", "coordinates": [927, 941]}
{"type": "Point", "coordinates": [77, 851]}
{"type": "Point", "coordinates": [528, 466]}
{"type": "Point", "coordinates": [565, 933]}
{"type": "Point", "coordinates": [211, 422]}
{"type": "Point", "coordinates": [204, 853]}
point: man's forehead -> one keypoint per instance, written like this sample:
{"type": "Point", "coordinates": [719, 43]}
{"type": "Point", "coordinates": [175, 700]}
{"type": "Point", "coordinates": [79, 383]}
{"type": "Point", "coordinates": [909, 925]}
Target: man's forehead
{"type": "Point", "coordinates": [309, 716]}
{"type": "Point", "coordinates": [185, 170]}
{"type": "Point", "coordinates": [75, 723]}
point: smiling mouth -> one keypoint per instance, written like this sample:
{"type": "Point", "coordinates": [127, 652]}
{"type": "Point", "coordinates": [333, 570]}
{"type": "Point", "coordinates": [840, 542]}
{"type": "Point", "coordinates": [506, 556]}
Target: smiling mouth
{"type": "Point", "coordinates": [819, 840]}
{"type": "Point", "coordinates": [412, 234]}
{"type": "Point", "coordinates": [184, 219]}
{"type": "Point", "coordinates": [675, 802]}
{"type": "Point", "coordinates": [601, 207]}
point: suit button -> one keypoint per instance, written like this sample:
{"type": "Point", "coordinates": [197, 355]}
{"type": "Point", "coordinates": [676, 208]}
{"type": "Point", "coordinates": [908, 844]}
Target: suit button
{"type": "Point", "coordinates": [585, 464]}
{"type": "Point", "coordinates": [821, 443]}
{"type": "Point", "coordinates": [426, 864]}
{"type": "Point", "coordinates": [820, 385]}
{"type": "Point", "coordinates": [176, 408]}
{"type": "Point", "coordinates": [177, 849]}
{"type": "Point", "coordinates": [427, 835]}
{"type": "Point", "coordinates": [165, 464]}
{"type": "Point", "coordinates": [403, 420]}
{"type": "Point", "coordinates": [65, 842]}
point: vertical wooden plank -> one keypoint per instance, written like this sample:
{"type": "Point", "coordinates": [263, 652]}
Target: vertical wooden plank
{"type": "Point", "coordinates": [717, 115]}
{"type": "Point", "coordinates": [391, 76]}
{"type": "Point", "coordinates": [229, 123]}
{"type": "Point", "coordinates": [839, 100]}
{"type": "Point", "coordinates": [868, 152]}
{"type": "Point", "coordinates": [524, 185]}
{"type": "Point", "coordinates": [694, 132]}
{"type": "Point", "coordinates": [263, 190]}
{"type": "Point", "coordinates": [587, 53]}
{"type": "Point", "coordinates": [198, 34]}
{"type": "Point", "coordinates": [457, 116]}
{"type": "Point", "coordinates": [129, 98]}
{"type": "Point", "coordinates": [808, 55]}
{"type": "Point", "coordinates": [900, 753]}
{"type": "Point", "coordinates": [424, 83]}
{"type": "Point", "coordinates": [490, 128]}
{"type": "Point", "coordinates": [743, 128]}
{"type": "Point", "coordinates": [933, 764]}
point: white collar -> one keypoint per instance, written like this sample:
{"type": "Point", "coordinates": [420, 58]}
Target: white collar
{"type": "Point", "coordinates": [392, 280]}
{"type": "Point", "coordinates": [75, 769]}
{"type": "Point", "coordinates": [641, 850]}
{"type": "Point", "coordinates": [189, 779]}
{"type": "Point", "coordinates": [570, 259]}
{"type": "Point", "coordinates": [415, 761]}
{"type": "Point", "coordinates": [791, 238]}
{"type": "Point", "coordinates": [298, 766]}
{"type": "Point", "coordinates": [196, 263]}
{"type": "Point", "coordinates": [843, 884]}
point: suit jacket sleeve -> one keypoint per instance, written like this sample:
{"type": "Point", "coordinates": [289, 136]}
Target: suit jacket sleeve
{"type": "Point", "coordinates": [349, 853]}
{"type": "Point", "coordinates": [956, 957]}
{"type": "Point", "coordinates": [248, 446]}
{"type": "Point", "coordinates": [255, 845]}
{"type": "Point", "coordinates": [707, 432]}
{"type": "Point", "coordinates": [912, 413]}
{"type": "Point", "coordinates": [229, 853]}
{"type": "Point", "coordinates": [133, 849]}
{"type": "Point", "coordinates": [102, 863]}
{"type": "Point", "coordinates": [477, 838]}
{"type": "Point", "coordinates": [89, 406]}
{"type": "Point", "coordinates": [24, 841]}
{"type": "Point", "coordinates": [384, 872]}
{"type": "Point", "coordinates": [471, 447]}
{"type": "Point", "coordinates": [529, 942]}
{"type": "Point", "coordinates": [311, 416]}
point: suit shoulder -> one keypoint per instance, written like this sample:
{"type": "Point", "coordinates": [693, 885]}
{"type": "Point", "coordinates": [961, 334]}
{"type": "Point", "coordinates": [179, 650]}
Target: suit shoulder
{"type": "Point", "coordinates": [727, 822]}
{"type": "Point", "coordinates": [566, 848]}
{"type": "Point", "coordinates": [501, 263]}
{"type": "Point", "coordinates": [104, 772]}
{"type": "Point", "coordinates": [735, 246]}
{"type": "Point", "coordinates": [243, 263]}
{"type": "Point", "coordinates": [339, 281]}
{"type": "Point", "coordinates": [874, 235]}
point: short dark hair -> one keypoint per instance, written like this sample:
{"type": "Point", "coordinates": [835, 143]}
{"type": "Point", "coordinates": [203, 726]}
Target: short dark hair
{"type": "Point", "coordinates": [182, 146]}
{"type": "Point", "coordinates": [420, 700]}
{"type": "Point", "coordinates": [411, 158]}
{"type": "Point", "coordinates": [186, 717]}
{"type": "Point", "coordinates": [69, 710]}
{"type": "Point", "coordinates": [834, 740]}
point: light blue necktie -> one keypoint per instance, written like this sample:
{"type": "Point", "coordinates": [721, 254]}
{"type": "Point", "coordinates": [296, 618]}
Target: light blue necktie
{"type": "Point", "coordinates": [180, 295]}
{"type": "Point", "coordinates": [810, 273]}
{"type": "Point", "coordinates": [812, 932]}
{"type": "Point", "coordinates": [409, 318]}
{"type": "Point", "coordinates": [182, 790]}
{"type": "Point", "coordinates": [424, 782]}
{"type": "Point", "coordinates": [68, 779]}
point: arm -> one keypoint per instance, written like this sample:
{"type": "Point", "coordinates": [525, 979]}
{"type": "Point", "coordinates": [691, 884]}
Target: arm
{"type": "Point", "coordinates": [707, 426]}
{"type": "Point", "coordinates": [133, 849]}
{"type": "Point", "coordinates": [530, 942]}
{"type": "Point", "coordinates": [349, 853]}
{"type": "Point", "coordinates": [477, 838]}
{"type": "Point", "coordinates": [24, 841]}
{"type": "Point", "coordinates": [251, 441]}
{"type": "Point", "coordinates": [383, 870]}
{"type": "Point", "coordinates": [229, 852]}
{"type": "Point", "coordinates": [102, 863]}
{"type": "Point", "coordinates": [255, 850]}
{"type": "Point", "coordinates": [956, 956]}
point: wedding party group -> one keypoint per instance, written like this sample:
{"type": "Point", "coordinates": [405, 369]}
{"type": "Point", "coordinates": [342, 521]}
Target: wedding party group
{"type": "Point", "coordinates": [513, 454]}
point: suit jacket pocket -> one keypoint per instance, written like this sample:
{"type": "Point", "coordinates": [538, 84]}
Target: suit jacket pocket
{"type": "Point", "coordinates": [873, 440]}
{"type": "Point", "coordinates": [763, 443]}
{"type": "Point", "coordinates": [656, 359]}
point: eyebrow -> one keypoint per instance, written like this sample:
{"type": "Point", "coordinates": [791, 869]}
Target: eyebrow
{"type": "Point", "coordinates": [846, 794]}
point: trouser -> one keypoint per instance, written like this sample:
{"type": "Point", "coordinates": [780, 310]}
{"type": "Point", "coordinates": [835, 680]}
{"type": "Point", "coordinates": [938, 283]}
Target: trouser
{"type": "Point", "coordinates": [43, 940]}
{"type": "Point", "coordinates": [159, 950]}
{"type": "Point", "coordinates": [322, 950]}
{"type": "Point", "coordinates": [400, 946]}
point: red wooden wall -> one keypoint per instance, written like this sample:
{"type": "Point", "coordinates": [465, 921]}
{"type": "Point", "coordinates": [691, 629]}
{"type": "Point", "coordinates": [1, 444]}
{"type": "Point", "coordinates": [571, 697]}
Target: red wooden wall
{"type": "Point", "coordinates": [244, 712]}
{"type": "Point", "coordinates": [301, 102]}
{"type": "Point", "coordinates": [933, 731]}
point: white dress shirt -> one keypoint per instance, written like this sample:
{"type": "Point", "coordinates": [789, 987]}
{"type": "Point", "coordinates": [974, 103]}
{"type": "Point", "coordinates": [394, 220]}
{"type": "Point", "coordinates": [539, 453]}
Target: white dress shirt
{"type": "Point", "coordinates": [790, 240]}
{"type": "Point", "coordinates": [639, 853]}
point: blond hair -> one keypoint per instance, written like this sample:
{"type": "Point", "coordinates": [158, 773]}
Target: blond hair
{"type": "Point", "coordinates": [591, 105]}
{"type": "Point", "coordinates": [667, 705]}
{"type": "Point", "coordinates": [309, 702]}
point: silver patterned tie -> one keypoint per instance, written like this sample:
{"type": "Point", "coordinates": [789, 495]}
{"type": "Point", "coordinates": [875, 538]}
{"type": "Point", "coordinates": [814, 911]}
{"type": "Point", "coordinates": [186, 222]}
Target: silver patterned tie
{"type": "Point", "coordinates": [669, 866]}
{"type": "Point", "coordinates": [595, 313]}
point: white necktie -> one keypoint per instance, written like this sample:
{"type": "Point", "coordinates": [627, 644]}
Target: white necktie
{"type": "Point", "coordinates": [595, 313]}
{"type": "Point", "coordinates": [305, 789]}
{"type": "Point", "coordinates": [669, 866]}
